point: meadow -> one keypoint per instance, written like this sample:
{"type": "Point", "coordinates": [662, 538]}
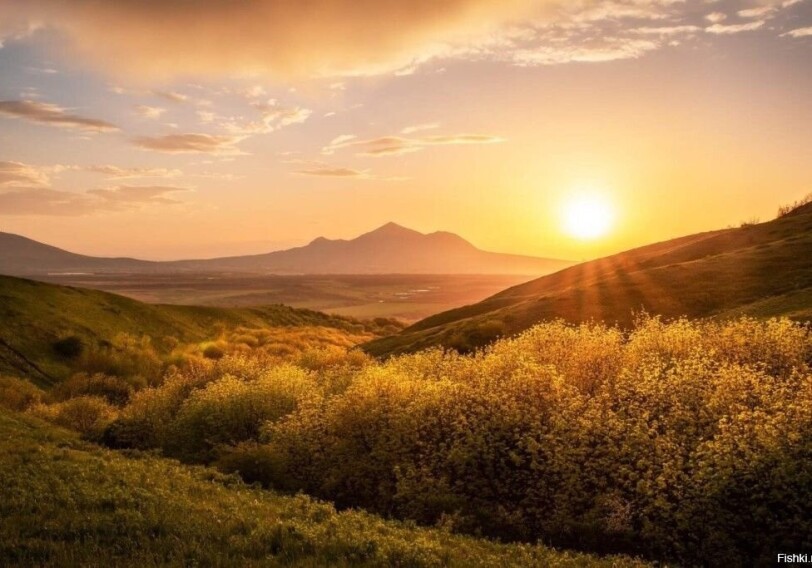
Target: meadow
{"type": "Point", "coordinates": [681, 441]}
{"type": "Point", "coordinates": [65, 502]}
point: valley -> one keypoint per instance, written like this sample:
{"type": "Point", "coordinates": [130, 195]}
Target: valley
{"type": "Point", "coordinates": [407, 297]}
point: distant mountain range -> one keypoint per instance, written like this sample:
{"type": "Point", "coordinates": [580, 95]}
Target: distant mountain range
{"type": "Point", "coordinates": [762, 270]}
{"type": "Point", "coordinates": [390, 249]}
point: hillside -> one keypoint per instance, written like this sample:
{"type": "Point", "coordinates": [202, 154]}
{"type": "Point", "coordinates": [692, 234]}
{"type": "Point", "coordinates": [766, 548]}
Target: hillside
{"type": "Point", "coordinates": [390, 249]}
{"type": "Point", "coordinates": [64, 502]}
{"type": "Point", "coordinates": [761, 270]}
{"type": "Point", "coordinates": [34, 315]}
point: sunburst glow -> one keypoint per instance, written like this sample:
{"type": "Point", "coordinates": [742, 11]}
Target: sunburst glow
{"type": "Point", "coordinates": [588, 216]}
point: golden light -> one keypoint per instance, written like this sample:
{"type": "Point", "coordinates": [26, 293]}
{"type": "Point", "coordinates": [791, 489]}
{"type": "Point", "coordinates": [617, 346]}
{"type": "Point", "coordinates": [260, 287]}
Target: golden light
{"type": "Point", "coordinates": [588, 216]}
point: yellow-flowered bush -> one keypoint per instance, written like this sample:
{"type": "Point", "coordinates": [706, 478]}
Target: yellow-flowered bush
{"type": "Point", "coordinates": [684, 440]}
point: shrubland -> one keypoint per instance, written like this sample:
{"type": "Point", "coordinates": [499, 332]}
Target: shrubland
{"type": "Point", "coordinates": [685, 441]}
{"type": "Point", "coordinates": [65, 502]}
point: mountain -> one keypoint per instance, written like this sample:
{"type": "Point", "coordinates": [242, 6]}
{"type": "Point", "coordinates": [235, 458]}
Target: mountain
{"type": "Point", "coordinates": [761, 270]}
{"type": "Point", "coordinates": [21, 256]}
{"type": "Point", "coordinates": [34, 315]}
{"type": "Point", "coordinates": [390, 249]}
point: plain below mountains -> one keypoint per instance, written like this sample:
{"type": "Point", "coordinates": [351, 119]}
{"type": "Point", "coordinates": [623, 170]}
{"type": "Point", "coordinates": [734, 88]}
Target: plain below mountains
{"type": "Point", "coordinates": [390, 249]}
{"type": "Point", "coordinates": [762, 270]}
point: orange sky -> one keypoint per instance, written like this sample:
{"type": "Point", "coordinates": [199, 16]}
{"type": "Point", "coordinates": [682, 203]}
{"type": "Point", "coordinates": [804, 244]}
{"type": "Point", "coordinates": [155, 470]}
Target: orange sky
{"type": "Point", "coordinates": [154, 130]}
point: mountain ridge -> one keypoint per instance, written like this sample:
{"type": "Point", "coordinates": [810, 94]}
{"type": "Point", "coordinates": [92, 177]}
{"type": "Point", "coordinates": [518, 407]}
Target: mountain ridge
{"type": "Point", "coordinates": [389, 249]}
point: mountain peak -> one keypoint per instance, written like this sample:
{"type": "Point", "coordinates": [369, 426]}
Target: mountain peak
{"type": "Point", "coordinates": [392, 229]}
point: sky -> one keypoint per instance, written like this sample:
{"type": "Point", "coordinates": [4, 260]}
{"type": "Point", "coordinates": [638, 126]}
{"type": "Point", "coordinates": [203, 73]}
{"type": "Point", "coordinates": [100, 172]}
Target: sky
{"type": "Point", "coordinates": [179, 128]}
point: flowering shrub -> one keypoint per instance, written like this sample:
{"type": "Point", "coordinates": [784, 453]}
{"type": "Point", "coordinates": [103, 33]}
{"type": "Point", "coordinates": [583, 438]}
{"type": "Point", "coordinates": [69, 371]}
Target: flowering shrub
{"type": "Point", "coordinates": [687, 441]}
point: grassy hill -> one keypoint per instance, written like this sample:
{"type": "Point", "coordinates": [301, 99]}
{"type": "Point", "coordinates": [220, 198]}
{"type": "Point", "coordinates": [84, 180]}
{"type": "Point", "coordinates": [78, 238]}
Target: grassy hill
{"type": "Point", "coordinates": [64, 502]}
{"type": "Point", "coordinates": [762, 270]}
{"type": "Point", "coordinates": [35, 315]}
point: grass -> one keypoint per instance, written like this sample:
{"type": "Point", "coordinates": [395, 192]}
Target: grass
{"type": "Point", "coordinates": [763, 269]}
{"type": "Point", "coordinates": [35, 315]}
{"type": "Point", "coordinates": [64, 502]}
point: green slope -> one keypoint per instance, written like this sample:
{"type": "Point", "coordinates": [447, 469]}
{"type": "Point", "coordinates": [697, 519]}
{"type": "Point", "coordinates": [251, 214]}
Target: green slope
{"type": "Point", "coordinates": [33, 315]}
{"type": "Point", "coordinates": [64, 502]}
{"type": "Point", "coordinates": [762, 270]}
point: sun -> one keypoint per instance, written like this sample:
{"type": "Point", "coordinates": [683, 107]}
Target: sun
{"type": "Point", "coordinates": [588, 216]}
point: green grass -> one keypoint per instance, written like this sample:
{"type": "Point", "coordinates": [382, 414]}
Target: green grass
{"type": "Point", "coordinates": [35, 314]}
{"type": "Point", "coordinates": [763, 270]}
{"type": "Point", "coordinates": [64, 502]}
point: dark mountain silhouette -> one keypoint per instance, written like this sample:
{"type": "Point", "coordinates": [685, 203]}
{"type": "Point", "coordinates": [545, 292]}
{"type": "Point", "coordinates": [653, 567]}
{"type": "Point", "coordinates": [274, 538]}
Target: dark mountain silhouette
{"type": "Point", "coordinates": [390, 249]}
{"type": "Point", "coordinates": [762, 270]}
{"type": "Point", "coordinates": [21, 256]}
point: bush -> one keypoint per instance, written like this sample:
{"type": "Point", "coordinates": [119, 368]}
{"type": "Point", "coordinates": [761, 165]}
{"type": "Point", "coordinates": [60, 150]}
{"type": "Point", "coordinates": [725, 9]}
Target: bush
{"type": "Point", "coordinates": [786, 210]}
{"type": "Point", "coordinates": [69, 347]}
{"type": "Point", "coordinates": [231, 410]}
{"type": "Point", "coordinates": [126, 356]}
{"type": "Point", "coordinates": [685, 441]}
{"type": "Point", "coordinates": [88, 415]}
{"type": "Point", "coordinates": [19, 394]}
{"type": "Point", "coordinates": [213, 352]}
{"type": "Point", "coordinates": [114, 390]}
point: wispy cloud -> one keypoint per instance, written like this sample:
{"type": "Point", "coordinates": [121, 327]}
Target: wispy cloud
{"type": "Point", "coordinates": [17, 173]}
{"type": "Point", "coordinates": [53, 115]}
{"type": "Point", "coordinates": [721, 29]}
{"type": "Point", "coordinates": [332, 172]}
{"type": "Point", "coordinates": [607, 49]}
{"type": "Point", "coordinates": [799, 32]}
{"type": "Point", "coordinates": [395, 145]}
{"type": "Point", "coordinates": [272, 117]}
{"type": "Point", "coordinates": [137, 195]}
{"type": "Point", "coordinates": [315, 168]}
{"type": "Point", "coordinates": [716, 17]}
{"type": "Point", "coordinates": [759, 12]}
{"type": "Point", "coordinates": [171, 96]}
{"type": "Point", "coordinates": [52, 202]}
{"type": "Point", "coordinates": [116, 172]}
{"type": "Point", "coordinates": [420, 127]}
{"type": "Point", "coordinates": [150, 111]}
{"type": "Point", "coordinates": [190, 143]}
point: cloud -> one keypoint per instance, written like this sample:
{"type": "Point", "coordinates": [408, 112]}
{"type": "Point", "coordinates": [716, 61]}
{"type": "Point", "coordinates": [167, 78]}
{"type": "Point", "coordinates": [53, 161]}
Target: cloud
{"type": "Point", "coordinates": [151, 39]}
{"type": "Point", "coordinates": [396, 145]}
{"type": "Point", "coordinates": [136, 195]}
{"type": "Point", "coordinates": [606, 49]}
{"type": "Point", "coordinates": [760, 12]}
{"type": "Point", "coordinates": [716, 17]}
{"type": "Point", "coordinates": [668, 30]}
{"type": "Point", "coordinates": [273, 116]}
{"type": "Point", "coordinates": [51, 202]}
{"type": "Point", "coordinates": [17, 173]}
{"type": "Point", "coordinates": [150, 111]}
{"type": "Point", "coordinates": [171, 96]}
{"type": "Point", "coordinates": [290, 39]}
{"type": "Point", "coordinates": [315, 168]}
{"type": "Point", "coordinates": [117, 172]}
{"type": "Point", "coordinates": [420, 128]}
{"type": "Point", "coordinates": [53, 115]}
{"type": "Point", "coordinates": [332, 172]}
{"type": "Point", "coordinates": [799, 32]}
{"type": "Point", "coordinates": [721, 29]}
{"type": "Point", "coordinates": [190, 144]}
